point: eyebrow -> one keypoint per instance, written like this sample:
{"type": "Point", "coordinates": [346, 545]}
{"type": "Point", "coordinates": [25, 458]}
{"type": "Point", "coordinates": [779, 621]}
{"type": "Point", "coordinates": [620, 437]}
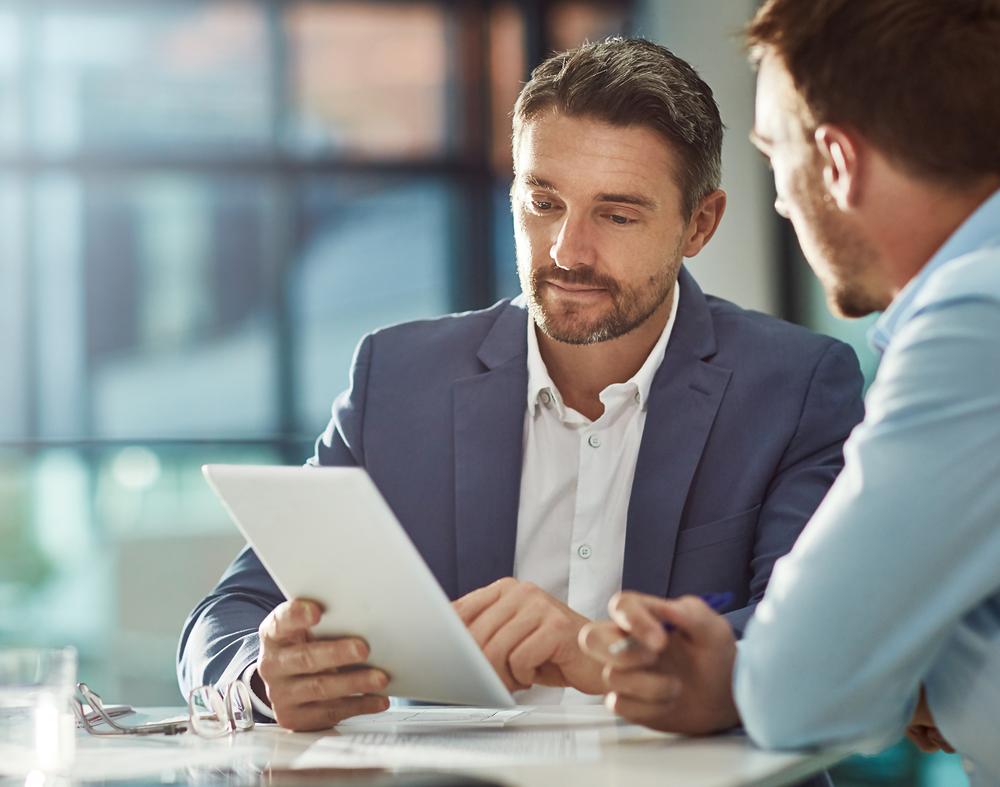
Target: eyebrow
{"type": "Point", "coordinates": [638, 200]}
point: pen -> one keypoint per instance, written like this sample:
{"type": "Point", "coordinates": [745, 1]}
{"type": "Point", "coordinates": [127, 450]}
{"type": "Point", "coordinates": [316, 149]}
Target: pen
{"type": "Point", "coordinates": [716, 601]}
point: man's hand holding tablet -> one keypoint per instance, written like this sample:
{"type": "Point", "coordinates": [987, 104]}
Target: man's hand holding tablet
{"type": "Point", "coordinates": [314, 684]}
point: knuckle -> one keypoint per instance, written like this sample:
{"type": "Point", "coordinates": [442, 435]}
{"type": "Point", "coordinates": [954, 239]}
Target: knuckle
{"type": "Point", "coordinates": [314, 688]}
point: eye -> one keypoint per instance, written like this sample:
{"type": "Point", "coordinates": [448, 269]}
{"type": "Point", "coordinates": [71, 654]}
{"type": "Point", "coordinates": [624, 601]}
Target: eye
{"type": "Point", "coordinates": [541, 205]}
{"type": "Point", "coordinates": [621, 221]}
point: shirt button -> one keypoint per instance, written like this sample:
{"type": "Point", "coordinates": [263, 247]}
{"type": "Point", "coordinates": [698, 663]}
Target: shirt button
{"type": "Point", "coordinates": [594, 442]}
{"type": "Point", "coordinates": [638, 397]}
{"type": "Point", "coordinates": [584, 551]}
{"type": "Point", "coordinates": [546, 398]}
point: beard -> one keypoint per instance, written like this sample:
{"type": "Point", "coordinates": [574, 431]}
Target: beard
{"type": "Point", "coordinates": [840, 255]}
{"type": "Point", "coordinates": [629, 307]}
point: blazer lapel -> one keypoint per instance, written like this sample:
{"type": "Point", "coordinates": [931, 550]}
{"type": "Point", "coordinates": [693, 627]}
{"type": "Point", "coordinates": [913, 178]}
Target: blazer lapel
{"type": "Point", "coordinates": [489, 427]}
{"type": "Point", "coordinates": [683, 401]}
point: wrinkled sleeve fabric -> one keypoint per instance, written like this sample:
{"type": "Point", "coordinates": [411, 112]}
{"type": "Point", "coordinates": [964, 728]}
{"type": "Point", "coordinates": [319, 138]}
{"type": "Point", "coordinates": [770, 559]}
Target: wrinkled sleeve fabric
{"type": "Point", "coordinates": [904, 548]}
{"type": "Point", "coordinates": [831, 409]}
{"type": "Point", "coordinates": [219, 640]}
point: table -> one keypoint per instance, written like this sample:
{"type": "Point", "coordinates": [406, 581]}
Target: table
{"type": "Point", "coordinates": [618, 754]}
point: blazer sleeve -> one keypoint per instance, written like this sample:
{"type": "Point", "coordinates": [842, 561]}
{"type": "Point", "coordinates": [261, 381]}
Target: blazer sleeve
{"type": "Point", "coordinates": [830, 410]}
{"type": "Point", "coordinates": [219, 639]}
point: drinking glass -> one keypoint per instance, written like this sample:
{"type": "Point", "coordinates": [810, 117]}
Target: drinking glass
{"type": "Point", "coordinates": [36, 718]}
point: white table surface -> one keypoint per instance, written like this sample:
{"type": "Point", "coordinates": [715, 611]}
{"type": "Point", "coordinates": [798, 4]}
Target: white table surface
{"type": "Point", "coordinates": [621, 754]}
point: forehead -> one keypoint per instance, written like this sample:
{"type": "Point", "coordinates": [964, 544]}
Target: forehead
{"type": "Point", "coordinates": [777, 105]}
{"type": "Point", "coordinates": [584, 152]}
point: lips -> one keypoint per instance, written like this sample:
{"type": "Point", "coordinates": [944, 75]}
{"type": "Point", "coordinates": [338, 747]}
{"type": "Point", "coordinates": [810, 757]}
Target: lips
{"type": "Point", "coordinates": [574, 287]}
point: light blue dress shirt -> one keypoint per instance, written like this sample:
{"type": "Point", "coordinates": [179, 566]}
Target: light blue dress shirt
{"type": "Point", "coordinates": [895, 581]}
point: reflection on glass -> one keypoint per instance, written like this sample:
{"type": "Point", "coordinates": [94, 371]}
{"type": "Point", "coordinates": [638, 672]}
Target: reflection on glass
{"type": "Point", "coordinates": [155, 297]}
{"type": "Point", "coordinates": [150, 76]}
{"type": "Point", "coordinates": [369, 79]}
{"type": "Point", "coordinates": [376, 252]}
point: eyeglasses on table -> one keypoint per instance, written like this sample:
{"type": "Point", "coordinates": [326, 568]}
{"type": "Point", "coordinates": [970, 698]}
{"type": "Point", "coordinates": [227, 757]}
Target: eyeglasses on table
{"type": "Point", "coordinates": [211, 713]}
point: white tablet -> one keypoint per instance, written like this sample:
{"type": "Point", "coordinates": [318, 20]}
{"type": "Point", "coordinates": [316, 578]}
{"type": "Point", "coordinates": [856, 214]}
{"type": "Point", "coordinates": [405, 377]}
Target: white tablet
{"type": "Point", "coordinates": [327, 534]}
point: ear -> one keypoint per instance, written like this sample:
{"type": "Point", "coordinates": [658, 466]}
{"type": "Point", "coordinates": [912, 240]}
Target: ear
{"type": "Point", "coordinates": [704, 222]}
{"type": "Point", "coordinates": [841, 164]}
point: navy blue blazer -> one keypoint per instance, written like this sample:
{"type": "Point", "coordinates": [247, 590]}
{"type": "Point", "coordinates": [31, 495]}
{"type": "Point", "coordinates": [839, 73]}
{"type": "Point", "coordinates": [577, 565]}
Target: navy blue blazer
{"type": "Point", "coordinates": [747, 416]}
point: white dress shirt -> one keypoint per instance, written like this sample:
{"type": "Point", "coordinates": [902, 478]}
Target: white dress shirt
{"type": "Point", "coordinates": [576, 481]}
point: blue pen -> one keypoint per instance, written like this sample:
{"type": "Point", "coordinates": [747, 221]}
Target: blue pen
{"type": "Point", "coordinates": [717, 601]}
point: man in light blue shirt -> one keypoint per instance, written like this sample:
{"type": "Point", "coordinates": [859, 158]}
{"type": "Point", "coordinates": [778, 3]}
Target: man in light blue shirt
{"type": "Point", "coordinates": [881, 122]}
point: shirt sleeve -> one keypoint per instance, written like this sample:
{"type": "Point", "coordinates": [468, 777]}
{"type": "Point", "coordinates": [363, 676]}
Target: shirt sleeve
{"type": "Point", "coordinates": [903, 547]}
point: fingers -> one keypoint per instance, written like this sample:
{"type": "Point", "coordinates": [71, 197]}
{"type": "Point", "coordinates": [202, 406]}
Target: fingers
{"type": "Point", "coordinates": [305, 689]}
{"type": "Point", "coordinates": [920, 735]}
{"type": "Point", "coordinates": [290, 621]}
{"type": "Point", "coordinates": [321, 716]}
{"type": "Point", "coordinates": [596, 639]}
{"type": "Point", "coordinates": [653, 687]}
{"type": "Point", "coordinates": [657, 715]}
{"type": "Point", "coordinates": [641, 616]}
{"type": "Point", "coordinates": [499, 648]}
{"type": "Point", "coordinates": [308, 658]}
{"type": "Point", "coordinates": [472, 604]}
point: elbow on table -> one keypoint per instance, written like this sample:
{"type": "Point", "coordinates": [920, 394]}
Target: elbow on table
{"type": "Point", "coordinates": [777, 714]}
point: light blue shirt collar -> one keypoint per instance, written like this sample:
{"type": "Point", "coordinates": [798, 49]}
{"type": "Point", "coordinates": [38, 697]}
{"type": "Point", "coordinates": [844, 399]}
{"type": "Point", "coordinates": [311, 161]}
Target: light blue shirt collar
{"type": "Point", "coordinates": [974, 233]}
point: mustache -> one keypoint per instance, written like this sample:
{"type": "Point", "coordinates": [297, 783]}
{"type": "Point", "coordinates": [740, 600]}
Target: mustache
{"type": "Point", "coordinates": [581, 276]}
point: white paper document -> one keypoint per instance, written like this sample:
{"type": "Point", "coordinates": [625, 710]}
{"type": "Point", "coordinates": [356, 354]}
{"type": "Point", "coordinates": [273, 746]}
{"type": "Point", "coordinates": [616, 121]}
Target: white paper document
{"type": "Point", "coordinates": [462, 747]}
{"type": "Point", "coordinates": [431, 716]}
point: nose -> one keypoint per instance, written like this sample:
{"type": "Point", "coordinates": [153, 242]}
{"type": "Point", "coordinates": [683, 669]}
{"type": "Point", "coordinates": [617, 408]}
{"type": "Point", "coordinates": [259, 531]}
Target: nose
{"type": "Point", "coordinates": [573, 244]}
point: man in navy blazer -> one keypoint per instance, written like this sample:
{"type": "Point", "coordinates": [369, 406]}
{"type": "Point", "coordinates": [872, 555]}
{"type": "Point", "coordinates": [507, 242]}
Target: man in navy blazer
{"type": "Point", "coordinates": [722, 428]}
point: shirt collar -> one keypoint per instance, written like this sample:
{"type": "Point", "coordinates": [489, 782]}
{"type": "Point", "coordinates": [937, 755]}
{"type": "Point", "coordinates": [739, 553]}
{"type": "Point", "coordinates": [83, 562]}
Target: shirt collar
{"type": "Point", "coordinates": [976, 231]}
{"type": "Point", "coordinates": [540, 382]}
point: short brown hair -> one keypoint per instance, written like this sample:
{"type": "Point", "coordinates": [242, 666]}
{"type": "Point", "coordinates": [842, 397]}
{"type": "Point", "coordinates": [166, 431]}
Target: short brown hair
{"type": "Point", "coordinates": [631, 81]}
{"type": "Point", "coordinates": [920, 79]}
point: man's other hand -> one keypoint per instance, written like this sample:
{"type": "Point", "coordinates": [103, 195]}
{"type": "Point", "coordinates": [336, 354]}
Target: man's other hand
{"type": "Point", "coordinates": [314, 684]}
{"type": "Point", "coordinates": [923, 730]}
{"type": "Point", "coordinates": [528, 636]}
{"type": "Point", "coordinates": [676, 681]}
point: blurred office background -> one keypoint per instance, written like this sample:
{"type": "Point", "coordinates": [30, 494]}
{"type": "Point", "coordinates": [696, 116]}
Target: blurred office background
{"type": "Point", "coordinates": [205, 203]}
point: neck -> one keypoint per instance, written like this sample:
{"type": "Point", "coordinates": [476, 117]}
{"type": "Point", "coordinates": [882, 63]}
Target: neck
{"type": "Point", "coordinates": [918, 219]}
{"type": "Point", "coordinates": [582, 371]}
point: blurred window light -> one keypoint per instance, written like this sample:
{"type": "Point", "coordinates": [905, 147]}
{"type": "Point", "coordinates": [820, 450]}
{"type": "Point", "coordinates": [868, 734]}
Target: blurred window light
{"type": "Point", "coordinates": [573, 22]}
{"type": "Point", "coordinates": [13, 312]}
{"type": "Point", "coordinates": [10, 67]}
{"type": "Point", "coordinates": [371, 79]}
{"type": "Point", "coordinates": [136, 468]}
{"type": "Point", "coordinates": [375, 251]}
{"type": "Point", "coordinates": [151, 75]}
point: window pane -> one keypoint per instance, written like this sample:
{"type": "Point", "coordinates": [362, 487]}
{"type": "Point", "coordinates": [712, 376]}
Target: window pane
{"type": "Point", "coordinates": [572, 22]}
{"type": "Point", "coordinates": [370, 79]}
{"type": "Point", "coordinates": [507, 72]}
{"type": "Point", "coordinates": [155, 295]}
{"type": "Point", "coordinates": [376, 252]}
{"type": "Point", "coordinates": [152, 76]}
{"type": "Point", "coordinates": [13, 366]}
{"type": "Point", "coordinates": [10, 94]}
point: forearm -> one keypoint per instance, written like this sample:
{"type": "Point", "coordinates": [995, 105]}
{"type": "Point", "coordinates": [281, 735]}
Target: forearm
{"type": "Point", "coordinates": [219, 639]}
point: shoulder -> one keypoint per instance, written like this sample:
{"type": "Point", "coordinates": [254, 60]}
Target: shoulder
{"type": "Point", "coordinates": [972, 277]}
{"type": "Point", "coordinates": [450, 341]}
{"type": "Point", "coordinates": [744, 336]}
